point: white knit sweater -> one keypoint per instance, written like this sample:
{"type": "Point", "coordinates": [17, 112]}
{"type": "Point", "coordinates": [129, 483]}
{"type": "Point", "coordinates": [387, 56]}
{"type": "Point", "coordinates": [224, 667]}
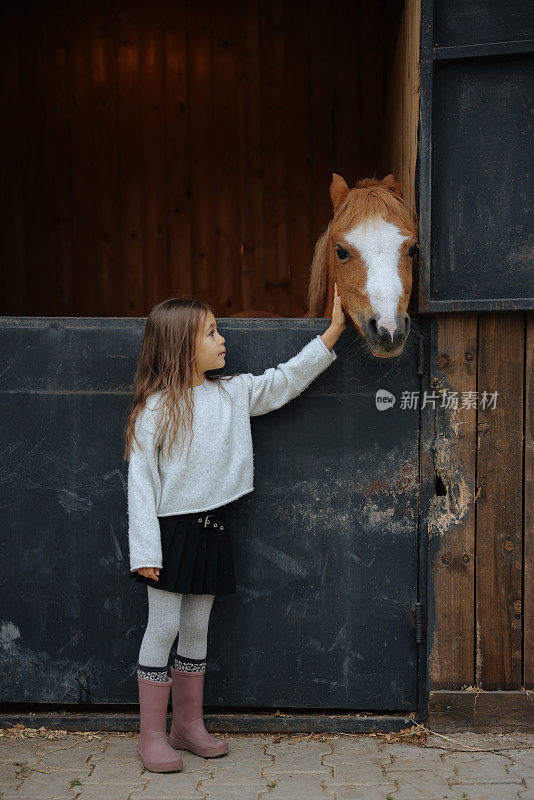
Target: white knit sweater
{"type": "Point", "coordinates": [220, 464]}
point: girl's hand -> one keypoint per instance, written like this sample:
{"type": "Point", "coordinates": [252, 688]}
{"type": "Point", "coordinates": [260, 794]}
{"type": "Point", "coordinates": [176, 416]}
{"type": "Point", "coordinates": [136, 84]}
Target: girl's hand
{"type": "Point", "coordinates": [149, 572]}
{"type": "Point", "coordinates": [338, 317]}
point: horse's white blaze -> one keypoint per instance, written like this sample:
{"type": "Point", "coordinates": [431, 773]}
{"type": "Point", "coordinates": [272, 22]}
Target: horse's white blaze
{"type": "Point", "coordinates": [378, 243]}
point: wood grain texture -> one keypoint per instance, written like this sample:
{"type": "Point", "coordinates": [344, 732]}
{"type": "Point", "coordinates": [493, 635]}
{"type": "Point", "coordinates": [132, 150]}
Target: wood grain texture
{"type": "Point", "coordinates": [499, 509]}
{"type": "Point", "coordinates": [528, 532]}
{"type": "Point", "coordinates": [179, 149]}
{"type": "Point", "coordinates": [452, 516]}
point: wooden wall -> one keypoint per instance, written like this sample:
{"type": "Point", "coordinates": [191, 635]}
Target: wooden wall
{"type": "Point", "coordinates": [482, 518]}
{"type": "Point", "coordinates": [399, 154]}
{"type": "Point", "coordinates": [175, 148]}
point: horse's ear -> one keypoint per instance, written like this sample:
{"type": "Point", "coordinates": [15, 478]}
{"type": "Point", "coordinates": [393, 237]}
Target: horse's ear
{"type": "Point", "coordinates": [318, 287]}
{"type": "Point", "coordinates": [393, 185]}
{"type": "Point", "coordinates": [338, 190]}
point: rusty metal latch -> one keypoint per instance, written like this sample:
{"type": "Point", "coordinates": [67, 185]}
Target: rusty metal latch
{"type": "Point", "coordinates": [416, 621]}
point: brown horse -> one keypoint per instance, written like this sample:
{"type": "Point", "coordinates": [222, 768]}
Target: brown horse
{"type": "Point", "coordinates": [367, 248]}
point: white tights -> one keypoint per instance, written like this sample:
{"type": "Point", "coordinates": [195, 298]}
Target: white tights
{"type": "Point", "coordinates": [170, 613]}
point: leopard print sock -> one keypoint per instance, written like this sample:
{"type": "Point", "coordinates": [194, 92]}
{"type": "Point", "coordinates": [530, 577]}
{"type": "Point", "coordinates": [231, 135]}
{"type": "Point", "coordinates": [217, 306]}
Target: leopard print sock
{"type": "Point", "coordinates": [153, 673]}
{"type": "Point", "coordinates": [184, 664]}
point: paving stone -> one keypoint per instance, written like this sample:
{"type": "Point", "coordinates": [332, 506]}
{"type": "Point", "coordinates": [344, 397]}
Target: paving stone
{"type": "Point", "coordinates": [74, 755]}
{"type": "Point", "coordinates": [9, 775]}
{"type": "Point", "coordinates": [114, 747]}
{"type": "Point", "coordinates": [299, 756]}
{"type": "Point", "coordinates": [422, 785]}
{"type": "Point", "coordinates": [46, 796]}
{"type": "Point", "coordinates": [187, 780]}
{"type": "Point", "coordinates": [412, 757]}
{"type": "Point", "coordinates": [41, 784]}
{"type": "Point", "coordinates": [521, 762]}
{"type": "Point", "coordinates": [495, 791]}
{"type": "Point", "coordinates": [117, 771]}
{"type": "Point", "coordinates": [378, 791]}
{"type": "Point", "coordinates": [354, 752]}
{"type": "Point", "coordinates": [102, 793]}
{"type": "Point", "coordinates": [233, 791]}
{"type": "Point", "coordinates": [481, 768]}
{"type": "Point", "coordinates": [13, 750]}
{"type": "Point", "coordinates": [290, 786]}
{"type": "Point", "coordinates": [365, 772]}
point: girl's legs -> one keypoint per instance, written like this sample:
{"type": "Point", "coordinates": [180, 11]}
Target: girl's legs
{"type": "Point", "coordinates": [187, 730]}
{"type": "Point", "coordinates": [168, 613]}
{"type": "Point", "coordinates": [193, 640]}
{"type": "Point", "coordinates": [161, 631]}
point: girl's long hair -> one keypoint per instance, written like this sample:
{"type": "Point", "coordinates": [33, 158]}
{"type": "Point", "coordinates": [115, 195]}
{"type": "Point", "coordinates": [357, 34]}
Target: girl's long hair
{"type": "Point", "coordinates": [166, 363]}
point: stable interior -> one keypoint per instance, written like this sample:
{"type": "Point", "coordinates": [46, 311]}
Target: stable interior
{"type": "Point", "coordinates": [166, 149]}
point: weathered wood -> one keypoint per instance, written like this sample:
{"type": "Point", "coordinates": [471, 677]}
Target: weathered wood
{"type": "Point", "coordinates": [481, 711]}
{"type": "Point", "coordinates": [221, 723]}
{"type": "Point", "coordinates": [452, 515]}
{"type": "Point", "coordinates": [402, 110]}
{"type": "Point", "coordinates": [499, 507]}
{"type": "Point", "coordinates": [528, 531]}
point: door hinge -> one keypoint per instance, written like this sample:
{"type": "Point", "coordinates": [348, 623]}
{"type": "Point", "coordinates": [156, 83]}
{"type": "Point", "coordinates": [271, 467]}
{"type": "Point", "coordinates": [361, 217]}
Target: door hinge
{"type": "Point", "coordinates": [416, 621]}
{"type": "Point", "coordinates": [421, 357]}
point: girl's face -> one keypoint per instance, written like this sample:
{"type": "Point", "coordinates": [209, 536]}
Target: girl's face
{"type": "Point", "coordinates": [211, 351]}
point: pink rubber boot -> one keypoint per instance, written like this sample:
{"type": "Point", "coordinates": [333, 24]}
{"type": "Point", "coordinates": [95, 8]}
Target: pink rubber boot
{"type": "Point", "coordinates": [187, 730]}
{"type": "Point", "coordinates": [153, 748]}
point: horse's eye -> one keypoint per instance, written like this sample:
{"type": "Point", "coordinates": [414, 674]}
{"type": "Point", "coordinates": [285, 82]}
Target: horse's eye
{"type": "Point", "coordinates": [341, 253]}
{"type": "Point", "coordinates": [413, 250]}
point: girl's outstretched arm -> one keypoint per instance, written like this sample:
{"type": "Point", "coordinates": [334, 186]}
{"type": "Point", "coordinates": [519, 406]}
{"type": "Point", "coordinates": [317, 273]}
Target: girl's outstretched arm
{"type": "Point", "coordinates": [276, 386]}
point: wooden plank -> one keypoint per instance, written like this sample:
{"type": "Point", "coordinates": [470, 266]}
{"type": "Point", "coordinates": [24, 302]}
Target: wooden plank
{"type": "Point", "coordinates": [221, 723]}
{"type": "Point", "coordinates": [153, 138]}
{"type": "Point", "coordinates": [13, 277]}
{"type": "Point", "coordinates": [298, 154]}
{"type": "Point", "coordinates": [177, 130]}
{"type": "Point", "coordinates": [399, 143]}
{"type": "Point", "coordinates": [83, 159]}
{"type": "Point", "coordinates": [370, 71]}
{"type": "Point", "coordinates": [351, 50]}
{"type": "Point", "coordinates": [34, 185]}
{"type": "Point", "coordinates": [226, 26]}
{"type": "Point", "coordinates": [205, 279]}
{"type": "Point", "coordinates": [322, 106]}
{"type": "Point", "coordinates": [131, 261]}
{"type": "Point", "coordinates": [480, 711]}
{"type": "Point", "coordinates": [249, 133]}
{"type": "Point", "coordinates": [452, 509]}
{"type": "Point", "coordinates": [499, 507]}
{"type": "Point", "coordinates": [103, 72]}
{"type": "Point", "coordinates": [274, 120]}
{"type": "Point", "coordinates": [528, 532]}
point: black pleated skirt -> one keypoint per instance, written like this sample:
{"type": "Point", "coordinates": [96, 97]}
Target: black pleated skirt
{"type": "Point", "coordinates": [197, 554]}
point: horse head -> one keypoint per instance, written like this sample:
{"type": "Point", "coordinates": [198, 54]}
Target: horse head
{"type": "Point", "coordinates": [367, 248]}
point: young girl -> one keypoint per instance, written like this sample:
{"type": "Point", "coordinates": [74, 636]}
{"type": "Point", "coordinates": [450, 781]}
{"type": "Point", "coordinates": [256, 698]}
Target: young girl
{"type": "Point", "coordinates": [180, 546]}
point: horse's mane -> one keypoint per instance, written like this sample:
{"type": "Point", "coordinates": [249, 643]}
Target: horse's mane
{"type": "Point", "coordinates": [318, 286]}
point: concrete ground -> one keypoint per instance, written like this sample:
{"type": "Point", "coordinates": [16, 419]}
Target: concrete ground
{"type": "Point", "coordinates": [55, 765]}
